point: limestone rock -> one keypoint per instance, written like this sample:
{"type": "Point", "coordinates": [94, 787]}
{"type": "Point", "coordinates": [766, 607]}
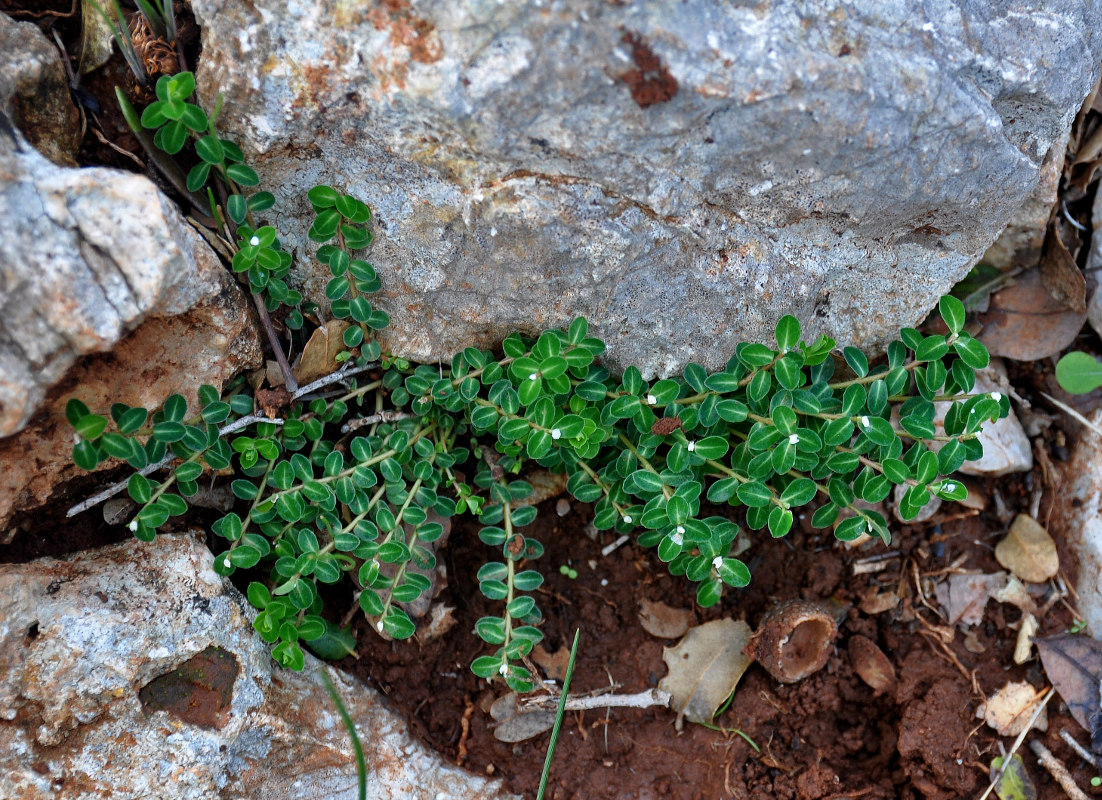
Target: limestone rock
{"type": "Point", "coordinates": [88, 255]}
{"type": "Point", "coordinates": [681, 179]}
{"type": "Point", "coordinates": [100, 693]}
{"type": "Point", "coordinates": [34, 91]}
{"type": "Point", "coordinates": [1076, 521]}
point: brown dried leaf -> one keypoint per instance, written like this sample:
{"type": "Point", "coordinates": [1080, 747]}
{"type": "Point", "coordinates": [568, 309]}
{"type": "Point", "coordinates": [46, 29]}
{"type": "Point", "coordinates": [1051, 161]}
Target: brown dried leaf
{"type": "Point", "coordinates": [874, 602]}
{"type": "Point", "coordinates": [1025, 324]}
{"type": "Point", "coordinates": [1009, 710]}
{"type": "Point", "coordinates": [440, 622]}
{"type": "Point", "coordinates": [663, 621]}
{"type": "Point", "coordinates": [515, 726]}
{"type": "Point", "coordinates": [1028, 551]}
{"type": "Point", "coordinates": [664, 426]}
{"type": "Point", "coordinates": [1074, 665]}
{"type": "Point", "coordinates": [319, 356]}
{"type": "Point", "coordinates": [554, 664]}
{"type": "Point", "coordinates": [1061, 277]}
{"type": "Point", "coordinates": [871, 664]}
{"type": "Point", "coordinates": [965, 596]}
{"type": "Point", "coordinates": [705, 668]}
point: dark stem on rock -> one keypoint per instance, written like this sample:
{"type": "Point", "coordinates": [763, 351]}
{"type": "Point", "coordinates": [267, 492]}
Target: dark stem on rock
{"type": "Point", "coordinates": [289, 381]}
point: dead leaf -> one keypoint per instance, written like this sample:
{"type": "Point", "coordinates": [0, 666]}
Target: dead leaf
{"type": "Point", "coordinates": [1009, 710]}
{"type": "Point", "coordinates": [1025, 324]}
{"type": "Point", "coordinates": [1015, 783]}
{"type": "Point", "coordinates": [973, 644]}
{"type": "Point", "coordinates": [1074, 666]}
{"type": "Point", "coordinates": [705, 668]}
{"type": "Point", "coordinates": [1016, 594]}
{"type": "Point", "coordinates": [440, 622]}
{"type": "Point", "coordinates": [873, 602]}
{"type": "Point", "coordinates": [659, 619]}
{"type": "Point", "coordinates": [516, 726]}
{"type": "Point", "coordinates": [545, 485]}
{"type": "Point", "coordinates": [554, 664]}
{"type": "Point", "coordinates": [95, 39]}
{"type": "Point", "coordinates": [1028, 551]}
{"type": "Point", "coordinates": [1061, 276]}
{"type": "Point", "coordinates": [871, 664]}
{"type": "Point", "coordinates": [319, 356]}
{"type": "Point", "coordinates": [964, 597]}
{"type": "Point", "coordinates": [1023, 647]}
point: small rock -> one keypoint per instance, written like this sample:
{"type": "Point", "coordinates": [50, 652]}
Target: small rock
{"type": "Point", "coordinates": [1028, 551]}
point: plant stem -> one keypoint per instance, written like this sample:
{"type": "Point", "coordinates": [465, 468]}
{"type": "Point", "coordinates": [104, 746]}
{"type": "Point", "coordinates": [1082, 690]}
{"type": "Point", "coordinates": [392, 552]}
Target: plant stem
{"type": "Point", "coordinates": [273, 339]}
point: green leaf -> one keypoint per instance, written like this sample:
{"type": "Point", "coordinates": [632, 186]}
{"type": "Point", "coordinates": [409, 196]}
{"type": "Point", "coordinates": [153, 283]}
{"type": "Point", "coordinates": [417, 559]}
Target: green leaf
{"type": "Point", "coordinates": [210, 150]}
{"type": "Point", "coordinates": [322, 197]}
{"type": "Point", "coordinates": [91, 426]}
{"type": "Point", "coordinates": [242, 175]}
{"type": "Point", "coordinates": [139, 488]}
{"type": "Point", "coordinates": [788, 332]}
{"type": "Point", "coordinates": [1079, 373]}
{"type": "Point", "coordinates": [952, 312]}
{"type": "Point", "coordinates": [172, 136]}
{"type": "Point", "coordinates": [754, 494]}
{"type": "Point", "coordinates": [75, 411]}
{"type": "Point", "coordinates": [169, 432]}
{"type": "Point", "coordinates": [857, 361]}
{"type": "Point", "coordinates": [197, 176]}
{"type": "Point", "coordinates": [799, 492]}
{"type": "Point", "coordinates": [238, 208]}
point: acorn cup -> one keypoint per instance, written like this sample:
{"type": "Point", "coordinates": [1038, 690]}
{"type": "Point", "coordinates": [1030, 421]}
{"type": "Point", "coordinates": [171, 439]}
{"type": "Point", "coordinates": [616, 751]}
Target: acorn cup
{"type": "Point", "coordinates": [793, 640]}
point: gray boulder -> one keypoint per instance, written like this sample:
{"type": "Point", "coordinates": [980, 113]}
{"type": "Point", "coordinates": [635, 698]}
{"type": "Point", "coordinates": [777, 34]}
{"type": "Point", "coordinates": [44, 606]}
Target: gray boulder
{"type": "Point", "coordinates": [682, 174]}
{"type": "Point", "coordinates": [134, 672]}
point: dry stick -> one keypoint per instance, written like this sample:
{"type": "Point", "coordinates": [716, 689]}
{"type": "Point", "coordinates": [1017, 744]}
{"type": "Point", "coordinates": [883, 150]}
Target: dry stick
{"type": "Point", "coordinates": [609, 548]}
{"type": "Point", "coordinates": [382, 416]}
{"type": "Point", "coordinates": [1018, 743]}
{"type": "Point", "coordinates": [232, 427]}
{"type": "Point", "coordinates": [1082, 752]}
{"type": "Point", "coordinates": [1057, 770]}
{"type": "Point", "coordinates": [651, 697]}
{"type": "Point", "coordinates": [289, 381]}
{"type": "Point", "coordinates": [1072, 413]}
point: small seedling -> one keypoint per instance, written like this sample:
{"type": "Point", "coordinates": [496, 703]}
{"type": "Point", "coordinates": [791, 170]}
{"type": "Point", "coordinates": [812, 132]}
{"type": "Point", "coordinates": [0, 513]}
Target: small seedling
{"type": "Point", "coordinates": [1079, 373]}
{"type": "Point", "coordinates": [568, 571]}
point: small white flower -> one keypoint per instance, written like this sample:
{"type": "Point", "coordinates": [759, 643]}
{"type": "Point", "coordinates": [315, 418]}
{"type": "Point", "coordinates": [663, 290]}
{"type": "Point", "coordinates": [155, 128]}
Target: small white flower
{"type": "Point", "coordinates": [717, 562]}
{"type": "Point", "coordinates": [680, 530]}
{"type": "Point", "coordinates": [379, 626]}
{"type": "Point", "coordinates": [533, 376]}
{"type": "Point", "coordinates": [503, 669]}
{"type": "Point", "coordinates": [864, 421]}
{"type": "Point", "coordinates": [677, 539]}
{"type": "Point", "coordinates": [604, 581]}
{"type": "Point", "coordinates": [996, 396]}
{"type": "Point", "coordinates": [254, 241]}
{"type": "Point", "coordinates": [973, 411]}
{"type": "Point", "coordinates": [949, 487]}
{"type": "Point", "coordinates": [794, 439]}
{"type": "Point", "coordinates": [651, 399]}
{"type": "Point", "coordinates": [691, 446]}
{"type": "Point", "coordinates": [226, 562]}
{"type": "Point", "coordinates": [556, 433]}
{"type": "Point", "coordinates": [133, 526]}
{"type": "Point", "coordinates": [627, 518]}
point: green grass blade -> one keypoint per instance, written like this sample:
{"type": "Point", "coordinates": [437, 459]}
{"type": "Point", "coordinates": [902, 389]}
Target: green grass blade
{"type": "Point", "coordinates": [361, 768]}
{"type": "Point", "coordinates": [558, 717]}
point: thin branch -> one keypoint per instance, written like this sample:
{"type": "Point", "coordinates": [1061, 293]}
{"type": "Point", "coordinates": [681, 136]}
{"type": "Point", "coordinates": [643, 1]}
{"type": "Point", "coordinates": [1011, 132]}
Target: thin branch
{"type": "Point", "coordinates": [333, 377]}
{"type": "Point", "coordinates": [273, 339]}
{"type": "Point", "coordinates": [1057, 770]}
{"type": "Point", "coordinates": [382, 416]}
{"type": "Point", "coordinates": [646, 699]}
{"type": "Point", "coordinates": [1072, 413]}
{"type": "Point", "coordinates": [1083, 753]}
{"type": "Point", "coordinates": [149, 469]}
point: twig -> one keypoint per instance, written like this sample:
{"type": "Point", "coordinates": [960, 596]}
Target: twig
{"type": "Point", "coordinates": [1018, 743]}
{"type": "Point", "coordinates": [148, 469]}
{"type": "Point", "coordinates": [609, 548]}
{"type": "Point", "coordinates": [651, 697]}
{"type": "Point", "coordinates": [1082, 752]}
{"type": "Point", "coordinates": [1072, 413]}
{"type": "Point", "coordinates": [1057, 770]}
{"type": "Point", "coordinates": [333, 377]}
{"type": "Point", "coordinates": [289, 381]}
{"type": "Point", "coordinates": [382, 416]}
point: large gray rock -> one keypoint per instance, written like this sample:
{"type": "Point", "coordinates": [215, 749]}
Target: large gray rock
{"type": "Point", "coordinates": [88, 256]}
{"type": "Point", "coordinates": [681, 173]}
{"type": "Point", "coordinates": [34, 91]}
{"type": "Point", "coordinates": [134, 672]}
